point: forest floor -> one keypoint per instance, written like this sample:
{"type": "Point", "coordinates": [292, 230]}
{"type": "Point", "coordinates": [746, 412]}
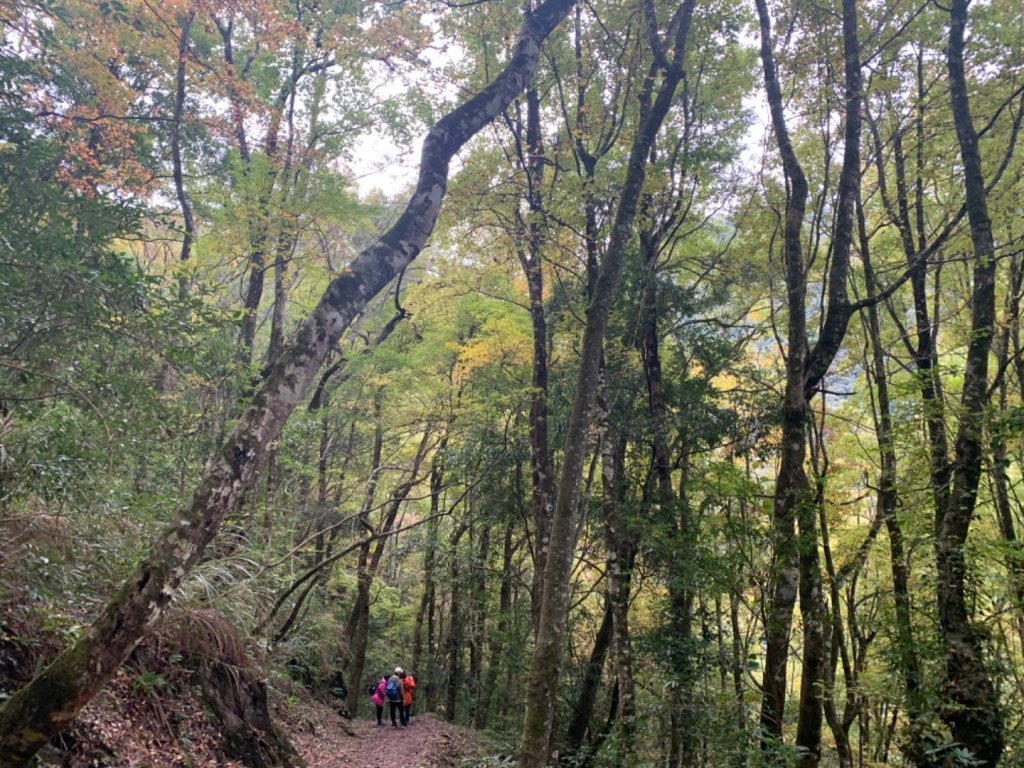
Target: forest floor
{"type": "Point", "coordinates": [151, 715]}
{"type": "Point", "coordinates": [428, 742]}
{"type": "Point", "coordinates": [128, 728]}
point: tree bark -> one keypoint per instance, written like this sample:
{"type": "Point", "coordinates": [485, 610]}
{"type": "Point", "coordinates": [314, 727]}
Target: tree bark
{"type": "Point", "coordinates": [974, 719]}
{"type": "Point", "coordinates": [537, 720]}
{"type": "Point", "coordinates": [359, 622]}
{"type": "Point", "coordinates": [675, 508]}
{"type": "Point", "coordinates": [531, 158]}
{"type": "Point", "coordinates": [428, 601]}
{"type": "Point", "coordinates": [479, 607]}
{"type": "Point", "coordinates": [791, 487]}
{"type": "Point", "coordinates": [888, 507]}
{"type": "Point", "coordinates": [812, 603]}
{"type": "Point", "coordinates": [1000, 458]}
{"type": "Point", "coordinates": [738, 663]}
{"type": "Point", "coordinates": [924, 352]}
{"type": "Point", "coordinates": [797, 567]}
{"type": "Point", "coordinates": [499, 639]}
{"type": "Point", "coordinates": [188, 221]}
{"type": "Point", "coordinates": [583, 708]}
{"type": "Point", "coordinates": [453, 639]}
{"type": "Point", "coordinates": [52, 700]}
{"type": "Point", "coordinates": [621, 554]}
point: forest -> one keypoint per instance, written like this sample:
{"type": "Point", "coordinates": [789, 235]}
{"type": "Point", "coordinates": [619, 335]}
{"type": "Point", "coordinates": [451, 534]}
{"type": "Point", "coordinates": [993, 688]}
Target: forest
{"type": "Point", "coordinates": [645, 376]}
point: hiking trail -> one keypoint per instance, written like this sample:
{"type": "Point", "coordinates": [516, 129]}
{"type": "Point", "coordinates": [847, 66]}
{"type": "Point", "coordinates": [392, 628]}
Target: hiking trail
{"type": "Point", "coordinates": [428, 742]}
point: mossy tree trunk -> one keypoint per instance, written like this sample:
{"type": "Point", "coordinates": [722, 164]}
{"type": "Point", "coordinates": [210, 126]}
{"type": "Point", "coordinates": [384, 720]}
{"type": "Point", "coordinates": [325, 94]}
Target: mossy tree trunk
{"type": "Point", "coordinates": [973, 717]}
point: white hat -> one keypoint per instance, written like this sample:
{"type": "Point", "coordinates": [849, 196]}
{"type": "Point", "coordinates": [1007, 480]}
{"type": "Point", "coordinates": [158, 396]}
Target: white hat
{"type": "Point", "coordinates": [398, 670]}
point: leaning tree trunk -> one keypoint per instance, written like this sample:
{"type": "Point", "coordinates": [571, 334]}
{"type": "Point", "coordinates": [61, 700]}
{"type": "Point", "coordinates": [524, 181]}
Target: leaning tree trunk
{"type": "Point", "coordinates": [974, 717]}
{"type": "Point", "coordinates": [52, 700]}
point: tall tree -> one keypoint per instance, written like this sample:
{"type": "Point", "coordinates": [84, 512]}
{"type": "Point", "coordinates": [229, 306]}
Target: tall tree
{"type": "Point", "coordinates": [669, 65]}
{"type": "Point", "coordinates": [52, 700]}
{"type": "Point", "coordinates": [797, 566]}
{"type": "Point", "coordinates": [975, 719]}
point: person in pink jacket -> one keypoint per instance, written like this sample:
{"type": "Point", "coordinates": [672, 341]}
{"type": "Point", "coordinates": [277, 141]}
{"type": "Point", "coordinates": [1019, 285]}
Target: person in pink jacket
{"type": "Point", "coordinates": [378, 698]}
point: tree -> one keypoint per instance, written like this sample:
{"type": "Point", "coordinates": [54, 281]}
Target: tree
{"type": "Point", "coordinates": [551, 621]}
{"type": "Point", "coordinates": [975, 720]}
{"type": "Point", "coordinates": [55, 696]}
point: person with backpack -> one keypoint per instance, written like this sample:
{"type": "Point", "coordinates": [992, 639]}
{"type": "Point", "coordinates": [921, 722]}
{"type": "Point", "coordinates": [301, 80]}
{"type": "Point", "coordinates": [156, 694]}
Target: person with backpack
{"type": "Point", "coordinates": [408, 684]}
{"type": "Point", "coordinates": [393, 691]}
{"type": "Point", "coordinates": [378, 696]}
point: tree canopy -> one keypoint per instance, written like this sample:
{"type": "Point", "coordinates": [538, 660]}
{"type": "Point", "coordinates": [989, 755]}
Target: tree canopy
{"type": "Point", "coordinates": [669, 415]}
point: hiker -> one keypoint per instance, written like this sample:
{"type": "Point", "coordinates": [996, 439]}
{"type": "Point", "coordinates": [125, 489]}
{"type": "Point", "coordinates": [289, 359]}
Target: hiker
{"type": "Point", "coordinates": [393, 691]}
{"type": "Point", "coordinates": [408, 684]}
{"type": "Point", "coordinates": [377, 696]}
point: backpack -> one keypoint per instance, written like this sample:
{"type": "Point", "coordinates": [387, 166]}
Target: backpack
{"type": "Point", "coordinates": [371, 689]}
{"type": "Point", "coordinates": [392, 691]}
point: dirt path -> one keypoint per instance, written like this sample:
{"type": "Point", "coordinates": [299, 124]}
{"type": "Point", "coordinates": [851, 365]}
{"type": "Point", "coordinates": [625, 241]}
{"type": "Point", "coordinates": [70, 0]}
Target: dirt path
{"type": "Point", "coordinates": [427, 743]}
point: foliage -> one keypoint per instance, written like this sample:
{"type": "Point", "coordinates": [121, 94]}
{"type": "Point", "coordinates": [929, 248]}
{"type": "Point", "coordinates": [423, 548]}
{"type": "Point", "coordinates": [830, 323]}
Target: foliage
{"type": "Point", "coordinates": [123, 366]}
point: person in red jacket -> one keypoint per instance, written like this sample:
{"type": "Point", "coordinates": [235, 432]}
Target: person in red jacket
{"type": "Point", "coordinates": [408, 684]}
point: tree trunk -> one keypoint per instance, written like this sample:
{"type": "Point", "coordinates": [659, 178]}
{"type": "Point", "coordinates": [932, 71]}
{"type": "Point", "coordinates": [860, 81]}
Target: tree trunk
{"type": "Point", "coordinates": [1000, 459]}
{"type": "Point", "coordinates": [357, 629]}
{"type": "Point", "coordinates": [738, 664]}
{"type": "Point", "coordinates": [888, 506]}
{"type": "Point", "coordinates": [499, 639]}
{"type": "Point", "coordinates": [239, 701]}
{"type": "Point", "coordinates": [678, 513]}
{"type": "Point", "coordinates": [360, 619]}
{"type": "Point", "coordinates": [479, 607]}
{"type": "Point", "coordinates": [813, 610]}
{"type": "Point", "coordinates": [537, 720]}
{"type": "Point", "coordinates": [791, 487]}
{"type": "Point", "coordinates": [583, 708]}
{"type": "Point", "coordinates": [532, 160]}
{"type": "Point", "coordinates": [839, 725]}
{"type": "Point", "coordinates": [428, 600]}
{"type": "Point", "coordinates": [453, 639]}
{"type": "Point", "coordinates": [30, 717]}
{"type": "Point", "coordinates": [621, 552]}
{"type": "Point", "coordinates": [287, 237]}
{"type": "Point", "coordinates": [188, 222]}
{"type": "Point", "coordinates": [797, 565]}
{"type": "Point", "coordinates": [974, 718]}
{"type": "Point", "coordinates": [814, 614]}
{"type": "Point", "coordinates": [924, 353]}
